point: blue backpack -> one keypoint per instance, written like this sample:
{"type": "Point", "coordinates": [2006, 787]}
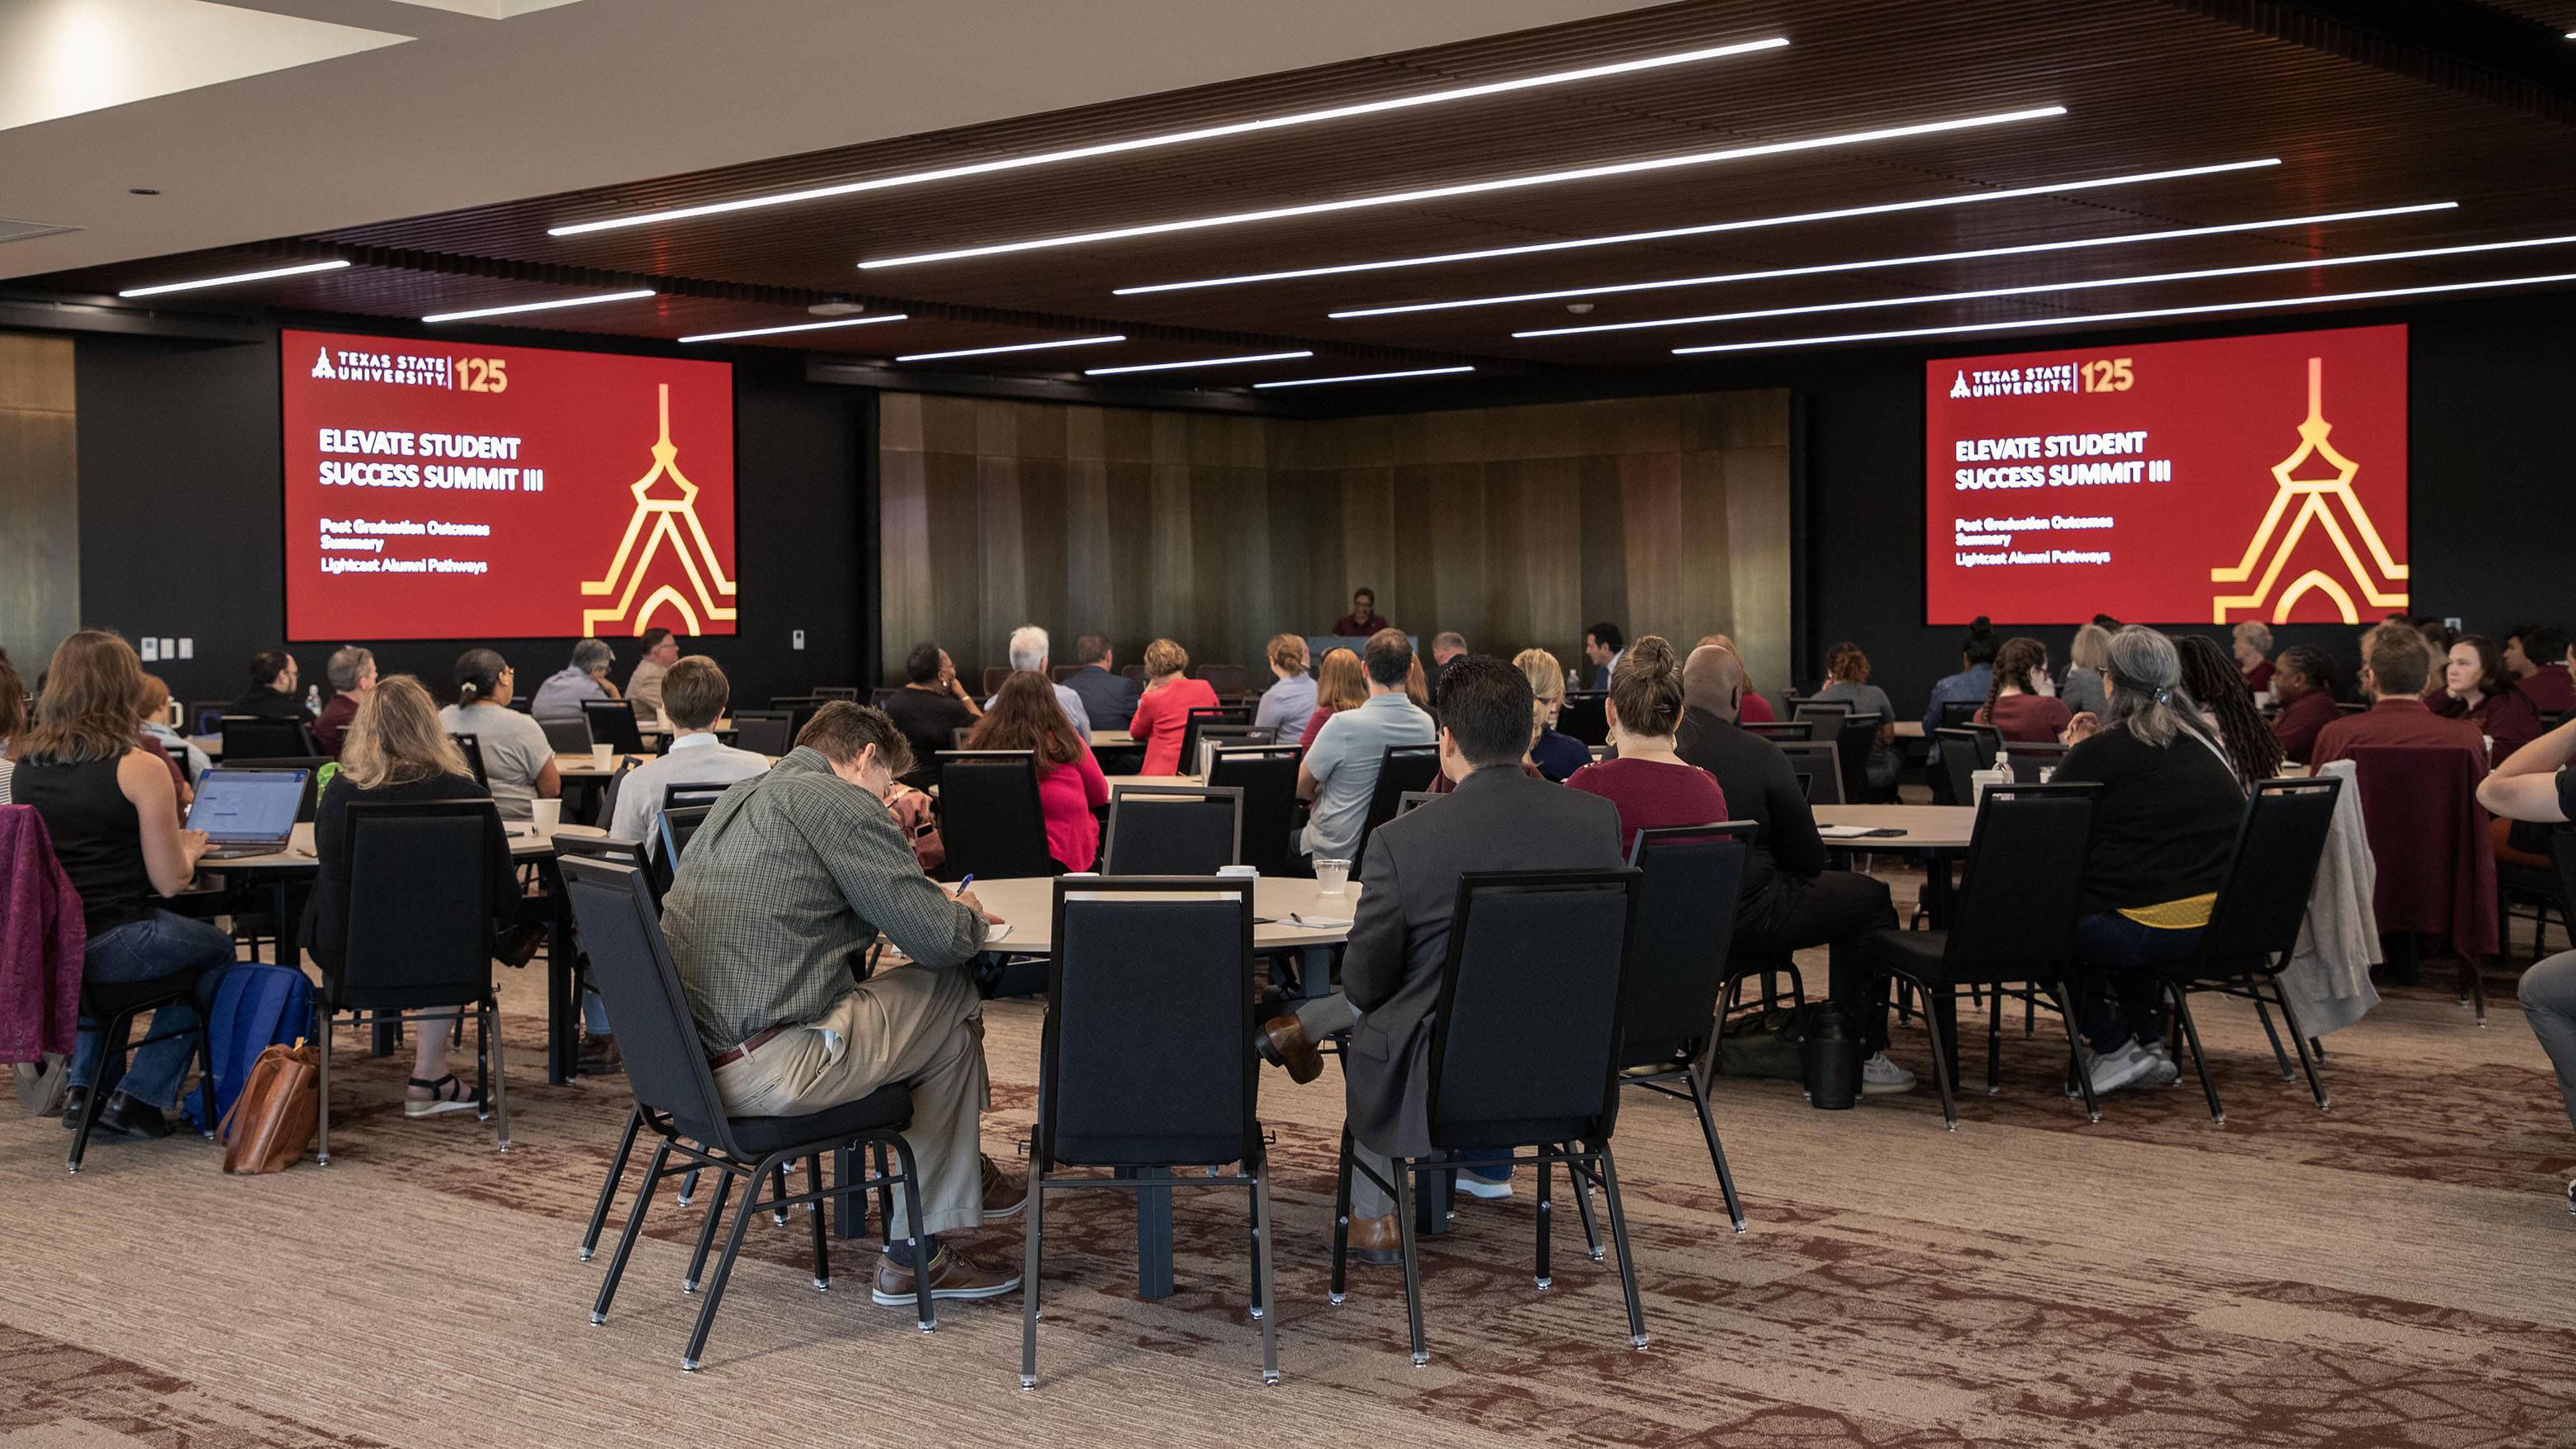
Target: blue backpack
{"type": "Point", "coordinates": [257, 1006]}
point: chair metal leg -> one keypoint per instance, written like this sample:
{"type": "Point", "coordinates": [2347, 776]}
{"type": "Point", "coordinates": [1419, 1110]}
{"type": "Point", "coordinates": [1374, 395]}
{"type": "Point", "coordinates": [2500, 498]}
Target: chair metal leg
{"type": "Point", "coordinates": [2280, 1054]}
{"type": "Point", "coordinates": [608, 1189]}
{"type": "Point", "coordinates": [1030, 1259]}
{"type": "Point", "coordinates": [2476, 971]}
{"type": "Point", "coordinates": [487, 1028]}
{"type": "Point", "coordinates": [885, 1193]}
{"type": "Point", "coordinates": [779, 1214]}
{"type": "Point", "coordinates": [707, 1229]}
{"type": "Point", "coordinates": [2199, 1059]}
{"type": "Point", "coordinates": [688, 1187]}
{"type": "Point", "coordinates": [1944, 1069]}
{"type": "Point", "coordinates": [1716, 1153]}
{"type": "Point", "coordinates": [1342, 1220]}
{"type": "Point", "coordinates": [626, 1239]}
{"type": "Point", "coordinates": [1265, 1285]}
{"type": "Point", "coordinates": [724, 1265]}
{"type": "Point", "coordinates": [2290, 1019]}
{"type": "Point", "coordinates": [1619, 1237]}
{"type": "Point", "coordinates": [110, 1038]}
{"type": "Point", "coordinates": [1995, 1042]}
{"type": "Point", "coordinates": [2065, 1000]}
{"type": "Point", "coordinates": [912, 1210]}
{"type": "Point", "coordinates": [814, 1211]}
{"type": "Point", "coordinates": [1410, 1252]}
{"type": "Point", "coordinates": [322, 1090]}
{"type": "Point", "coordinates": [1579, 1179]}
{"type": "Point", "coordinates": [1546, 1213]}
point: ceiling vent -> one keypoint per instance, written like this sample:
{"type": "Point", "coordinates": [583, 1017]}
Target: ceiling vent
{"type": "Point", "coordinates": [23, 230]}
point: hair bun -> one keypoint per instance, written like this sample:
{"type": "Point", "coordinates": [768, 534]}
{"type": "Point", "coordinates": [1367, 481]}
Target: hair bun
{"type": "Point", "coordinates": [1981, 625]}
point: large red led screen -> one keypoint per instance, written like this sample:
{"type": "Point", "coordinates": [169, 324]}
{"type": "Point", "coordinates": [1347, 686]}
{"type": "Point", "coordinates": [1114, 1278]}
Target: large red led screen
{"type": "Point", "coordinates": [456, 490]}
{"type": "Point", "coordinates": [2169, 483]}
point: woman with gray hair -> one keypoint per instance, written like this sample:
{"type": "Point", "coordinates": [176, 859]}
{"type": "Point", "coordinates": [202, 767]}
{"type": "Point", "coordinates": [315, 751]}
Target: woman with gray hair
{"type": "Point", "coordinates": [2164, 820]}
{"type": "Point", "coordinates": [560, 697]}
{"type": "Point", "coordinates": [2254, 654]}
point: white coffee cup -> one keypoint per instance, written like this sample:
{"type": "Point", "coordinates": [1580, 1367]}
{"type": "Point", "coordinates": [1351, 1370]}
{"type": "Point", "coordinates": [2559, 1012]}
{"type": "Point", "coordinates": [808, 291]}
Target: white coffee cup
{"type": "Point", "coordinates": [1332, 877]}
{"type": "Point", "coordinates": [548, 814]}
{"type": "Point", "coordinates": [603, 756]}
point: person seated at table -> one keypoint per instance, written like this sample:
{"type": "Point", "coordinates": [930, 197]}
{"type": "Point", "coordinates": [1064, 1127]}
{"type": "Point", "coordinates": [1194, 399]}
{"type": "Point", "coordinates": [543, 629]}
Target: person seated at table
{"type": "Point", "coordinates": [1847, 682]}
{"type": "Point", "coordinates": [930, 708]}
{"type": "Point", "coordinates": [2081, 689]}
{"type": "Point", "coordinates": [791, 879]}
{"type": "Point", "coordinates": [2538, 656]}
{"type": "Point", "coordinates": [1498, 819]}
{"type": "Point", "coordinates": [694, 692]}
{"type": "Point", "coordinates": [1289, 702]}
{"type": "Point", "coordinates": [2253, 649]}
{"type": "Point", "coordinates": [1108, 697]}
{"type": "Point", "coordinates": [2217, 687]}
{"type": "Point", "coordinates": [2164, 824]}
{"type": "Point", "coordinates": [1339, 773]}
{"type": "Point", "coordinates": [395, 753]}
{"type": "Point", "coordinates": [1163, 715]}
{"type": "Point", "coordinates": [2018, 701]}
{"type": "Point", "coordinates": [107, 802]}
{"type": "Point", "coordinates": [1601, 645]}
{"type": "Point", "coordinates": [352, 672]}
{"type": "Point", "coordinates": [1756, 706]}
{"type": "Point", "coordinates": [518, 764]}
{"type": "Point", "coordinates": [1788, 900]}
{"type": "Point", "coordinates": [1024, 716]}
{"type": "Point", "coordinates": [1340, 684]}
{"type": "Point", "coordinates": [2476, 688]}
{"type": "Point", "coordinates": [1557, 754]}
{"type": "Point", "coordinates": [1446, 645]}
{"type": "Point", "coordinates": [153, 710]}
{"type": "Point", "coordinates": [2536, 783]}
{"type": "Point", "coordinates": [272, 689]}
{"type": "Point", "coordinates": [559, 699]}
{"type": "Point", "coordinates": [2303, 681]}
{"type": "Point", "coordinates": [1363, 620]}
{"type": "Point", "coordinates": [2396, 665]}
{"type": "Point", "coordinates": [1974, 681]}
{"type": "Point", "coordinates": [1028, 649]}
{"type": "Point", "coordinates": [644, 686]}
{"type": "Point", "coordinates": [1652, 785]}
{"type": "Point", "coordinates": [13, 721]}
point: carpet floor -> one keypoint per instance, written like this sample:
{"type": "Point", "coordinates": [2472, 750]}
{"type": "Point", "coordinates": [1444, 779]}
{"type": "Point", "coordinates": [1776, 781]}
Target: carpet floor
{"type": "Point", "coordinates": [2398, 1271]}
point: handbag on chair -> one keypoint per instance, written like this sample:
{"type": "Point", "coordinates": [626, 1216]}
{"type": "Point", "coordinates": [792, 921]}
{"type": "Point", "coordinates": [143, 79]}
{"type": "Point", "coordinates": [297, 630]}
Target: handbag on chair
{"type": "Point", "coordinates": [271, 1122]}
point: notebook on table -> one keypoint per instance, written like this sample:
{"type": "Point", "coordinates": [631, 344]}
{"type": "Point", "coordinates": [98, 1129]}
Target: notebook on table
{"type": "Point", "coordinates": [247, 812]}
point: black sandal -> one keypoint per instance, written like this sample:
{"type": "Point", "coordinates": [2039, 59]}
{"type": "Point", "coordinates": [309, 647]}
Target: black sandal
{"type": "Point", "coordinates": [447, 1094]}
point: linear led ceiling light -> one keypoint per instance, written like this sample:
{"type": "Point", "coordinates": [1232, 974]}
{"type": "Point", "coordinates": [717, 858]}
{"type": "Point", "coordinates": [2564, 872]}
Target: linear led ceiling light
{"type": "Point", "coordinates": [1014, 347]}
{"type": "Point", "coordinates": [796, 327]}
{"type": "Point", "coordinates": [1668, 233]}
{"type": "Point", "coordinates": [539, 306]}
{"type": "Point", "coordinates": [1471, 188]}
{"type": "Point", "coordinates": [1364, 377]}
{"type": "Point", "coordinates": [2201, 310]}
{"type": "Point", "coordinates": [1174, 138]}
{"type": "Point", "coordinates": [1876, 263]}
{"type": "Point", "coordinates": [1194, 362]}
{"type": "Point", "coordinates": [2253, 269]}
{"type": "Point", "coordinates": [295, 271]}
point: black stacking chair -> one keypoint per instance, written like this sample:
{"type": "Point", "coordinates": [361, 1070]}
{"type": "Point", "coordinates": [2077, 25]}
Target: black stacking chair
{"type": "Point", "coordinates": [1267, 776]}
{"type": "Point", "coordinates": [829, 692]}
{"type": "Point", "coordinates": [678, 824]}
{"type": "Point", "coordinates": [1820, 764]}
{"type": "Point", "coordinates": [2254, 924]}
{"type": "Point", "coordinates": [1959, 763]}
{"type": "Point", "coordinates": [1230, 681]}
{"type": "Point", "coordinates": [877, 698]}
{"type": "Point", "coordinates": [1585, 714]}
{"type": "Point", "coordinates": [1854, 741]}
{"type": "Point", "coordinates": [471, 747]}
{"type": "Point", "coordinates": [1412, 800]}
{"type": "Point", "coordinates": [206, 718]}
{"type": "Point", "coordinates": [1146, 1061]}
{"type": "Point", "coordinates": [1204, 715]}
{"type": "Point", "coordinates": [1525, 1051]}
{"type": "Point", "coordinates": [112, 1007]}
{"type": "Point", "coordinates": [251, 736]}
{"type": "Point", "coordinates": [311, 765]}
{"type": "Point", "coordinates": [989, 814]}
{"type": "Point", "coordinates": [423, 883]}
{"type": "Point", "coordinates": [764, 731]}
{"type": "Point", "coordinates": [675, 1098]}
{"type": "Point", "coordinates": [612, 723]}
{"type": "Point", "coordinates": [1828, 715]}
{"type": "Point", "coordinates": [2011, 924]}
{"type": "Point", "coordinates": [2027, 758]}
{"type": "Point", "coordinates": [1691, 879]}
{"type": "Point", "coordinates": [1399, 769]}
{"type": "Point", "coordinates": [798, 708]}
{"type": "Point", "coordinates": [1228, 737]}
{"type": "Point", "coordinates": [1780, 731]}
{"type": "Point", "coordinates": [1173, 829]}
{"type": "Point", "coordinates": [676, 795]}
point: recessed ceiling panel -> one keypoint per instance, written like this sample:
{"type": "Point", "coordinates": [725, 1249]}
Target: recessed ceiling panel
{"type": "Point", "coordinates": [63, 57]}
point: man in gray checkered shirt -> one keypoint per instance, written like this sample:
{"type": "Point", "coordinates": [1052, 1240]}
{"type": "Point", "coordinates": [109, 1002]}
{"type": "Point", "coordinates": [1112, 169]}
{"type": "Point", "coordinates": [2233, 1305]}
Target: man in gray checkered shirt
{"type": "Point", "coordinates": [783, 890]}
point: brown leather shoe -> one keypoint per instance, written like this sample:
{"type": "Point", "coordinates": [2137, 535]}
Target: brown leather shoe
{"type": "Point", "coordinates": [952, 1275]}
{"type": "Point", "coordinates": [1283, 1042]}
{"type": "Point", "coordinates": [1004, 1195]}
{"type": "Point", "coordinates": [1375, 1240]}
{"type": "Point", "coordinates": [598, 1057]}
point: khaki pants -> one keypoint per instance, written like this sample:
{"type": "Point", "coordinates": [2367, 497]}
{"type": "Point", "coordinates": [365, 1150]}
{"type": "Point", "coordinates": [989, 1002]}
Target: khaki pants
{"type": "Point", "coordinates": [910, 1024]}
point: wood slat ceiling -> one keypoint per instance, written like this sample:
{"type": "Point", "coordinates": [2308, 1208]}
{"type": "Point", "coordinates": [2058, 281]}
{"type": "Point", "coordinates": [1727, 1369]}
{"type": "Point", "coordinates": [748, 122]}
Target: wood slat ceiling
{"type": "Point", "coordinates": [2148, 84]}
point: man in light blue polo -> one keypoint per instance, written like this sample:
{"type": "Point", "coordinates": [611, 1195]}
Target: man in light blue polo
{"type": "Point", "coordinates": [1339, 772]}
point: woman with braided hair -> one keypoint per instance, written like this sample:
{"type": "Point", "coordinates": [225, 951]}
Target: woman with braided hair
{"type": "Point", "coordinates": [2214, 683]}
{"type": "Point", "coordinates": [2303, 680]}
{"type": "Point", "coordinates": [2016, 703]}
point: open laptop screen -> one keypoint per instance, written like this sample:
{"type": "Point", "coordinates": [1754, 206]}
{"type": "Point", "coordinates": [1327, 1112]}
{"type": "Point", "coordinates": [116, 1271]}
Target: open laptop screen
{"type": "Point", "coordinates": [238, 806]}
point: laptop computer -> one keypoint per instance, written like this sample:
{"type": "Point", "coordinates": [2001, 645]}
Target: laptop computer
{"type": "Point", "coordinates": [247, 812]}
{"type": "Point", "coordinates": [567, 736]}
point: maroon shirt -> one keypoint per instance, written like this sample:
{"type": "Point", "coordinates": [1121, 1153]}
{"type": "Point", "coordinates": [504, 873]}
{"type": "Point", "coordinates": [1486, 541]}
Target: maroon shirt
{"type": "Point", "coordinates": [336, 714]}
{"type": "Point", "coordinates": [1651, 794]}
{"type": "Point", "coordinates": [2396, 722]}
{"type": "Point", "coordinates": [2551, 691]}
{"type": "Point", "coordinates": [2300, 719]}
{"type": "Point", "coordinates": [2258, 678]}
{"type": "Point", "coordinates": [2032, 719]}
{"type": "Point", "coordinates": [1352, 626]}
{"type": "Point", "coordinates": [2505, 717]}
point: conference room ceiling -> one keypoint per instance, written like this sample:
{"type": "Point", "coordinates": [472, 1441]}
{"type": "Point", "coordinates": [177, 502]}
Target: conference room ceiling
{"type": "Point", "coordinates": [2358, 120]}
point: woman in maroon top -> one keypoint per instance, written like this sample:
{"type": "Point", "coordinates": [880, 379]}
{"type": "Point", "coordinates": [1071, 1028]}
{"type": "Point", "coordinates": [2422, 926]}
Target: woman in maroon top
{"type": "Point", "coordinates": [1649, 782]}
{"type": "Point", "coordinates": [2253, 646]}
{"type": "Point", "coordinates": [2477, 689]}
{"type": "Point", "coordinates": [2014, 703]}
{"type": "Point", "coordinates": [2304, 684]}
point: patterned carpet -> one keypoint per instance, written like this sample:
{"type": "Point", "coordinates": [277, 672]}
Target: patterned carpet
{"type": "Point", "coordinates": [2400, 1271]}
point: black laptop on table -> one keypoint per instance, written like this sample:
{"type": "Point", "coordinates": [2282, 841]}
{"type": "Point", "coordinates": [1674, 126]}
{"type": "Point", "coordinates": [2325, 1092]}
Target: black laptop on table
{"type": "Point", "coordinates": [247, 812]}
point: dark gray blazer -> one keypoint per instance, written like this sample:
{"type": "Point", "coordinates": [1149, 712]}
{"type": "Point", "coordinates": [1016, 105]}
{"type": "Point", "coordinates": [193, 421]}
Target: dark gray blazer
{"type": "Point", "coordinates": [1498, 819]}
{"type": "Point", "coordinates": [1110, 699]}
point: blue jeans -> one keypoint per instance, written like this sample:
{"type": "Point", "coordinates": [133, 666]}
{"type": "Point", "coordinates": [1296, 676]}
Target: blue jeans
{"type": "Point", "coordinates": [2124, 994]}
{"type": "Point", "coordinates": [159, 945]}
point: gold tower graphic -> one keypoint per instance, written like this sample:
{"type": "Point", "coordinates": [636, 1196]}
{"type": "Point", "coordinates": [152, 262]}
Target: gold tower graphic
{"type": "Point", "coordinates": [2313, 495]}
{"type": "Point", "coordinates": [659, 520]}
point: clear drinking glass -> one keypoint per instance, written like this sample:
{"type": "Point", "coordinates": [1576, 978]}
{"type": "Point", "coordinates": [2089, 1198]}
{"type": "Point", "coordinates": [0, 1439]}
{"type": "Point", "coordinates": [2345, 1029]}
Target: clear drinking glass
{"type": "Point", "coordinates": [1332, 877]}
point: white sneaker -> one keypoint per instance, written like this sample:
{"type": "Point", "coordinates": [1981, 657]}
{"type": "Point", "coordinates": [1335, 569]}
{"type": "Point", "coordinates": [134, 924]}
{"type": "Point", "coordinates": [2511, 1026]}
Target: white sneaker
{"type": "Point", "coordinates": [1879, 1076]}
{"type": "Point", "coordinates": [1491, 1189]}
{"type": "Point", "coordinates": [2165, 1071]}
{"type": "Point", "coordinates": [2119, 1070]}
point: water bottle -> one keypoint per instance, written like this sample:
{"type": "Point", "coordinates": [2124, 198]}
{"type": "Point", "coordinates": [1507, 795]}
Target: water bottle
{"type": "Point", "coordinates": [1570, 683]}
{"type": "Point", "coordinates": [1829, 1059]}
{"type": "Point", "coordinates": [313, 699]}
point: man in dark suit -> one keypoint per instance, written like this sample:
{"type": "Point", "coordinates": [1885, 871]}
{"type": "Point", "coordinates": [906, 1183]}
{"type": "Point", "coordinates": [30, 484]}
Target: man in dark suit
{"type": "Point", "coordinates": [1108, 696]}
{"type": "Point", "coordinates": [1496, 819]}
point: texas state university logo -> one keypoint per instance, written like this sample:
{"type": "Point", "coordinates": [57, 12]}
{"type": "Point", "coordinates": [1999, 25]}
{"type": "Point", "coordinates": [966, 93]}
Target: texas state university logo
{"type": "Point", "coordinates": [2326, 502]}
{"type": "Point", "coordinates": [674, 546]}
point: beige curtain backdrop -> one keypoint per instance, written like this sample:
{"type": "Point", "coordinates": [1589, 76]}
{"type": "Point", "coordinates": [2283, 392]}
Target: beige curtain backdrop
{"type": "Point", "coordinates": [39, 499]}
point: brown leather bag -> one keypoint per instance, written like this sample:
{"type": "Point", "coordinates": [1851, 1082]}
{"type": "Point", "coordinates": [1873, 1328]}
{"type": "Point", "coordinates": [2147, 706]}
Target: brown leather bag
{"type": "Point", "coordinates": [271, 1122]}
